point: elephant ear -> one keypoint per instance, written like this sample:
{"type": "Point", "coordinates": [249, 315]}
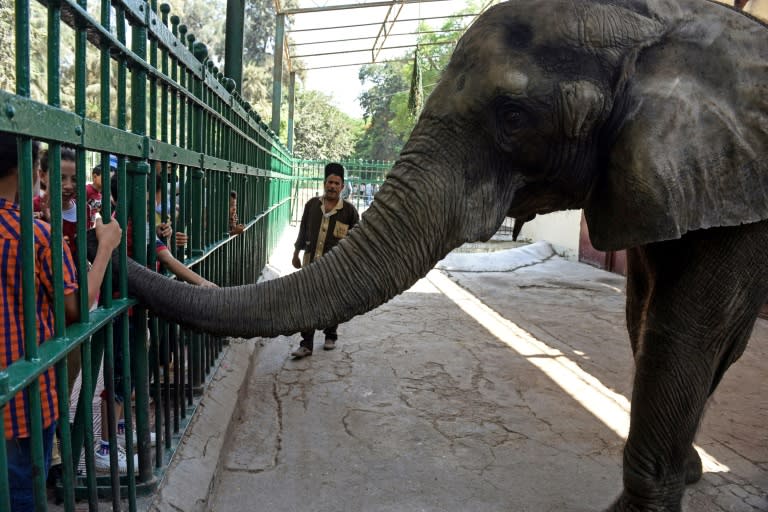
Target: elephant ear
{"type": "Point", "coordinates": [692, 140]}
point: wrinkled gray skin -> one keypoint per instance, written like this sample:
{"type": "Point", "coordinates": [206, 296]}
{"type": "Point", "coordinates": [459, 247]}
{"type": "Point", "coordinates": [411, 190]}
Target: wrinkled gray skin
{"type": "Point", "coordinates": [652, 117]}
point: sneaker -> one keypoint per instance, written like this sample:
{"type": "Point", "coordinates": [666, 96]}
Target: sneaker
{"type": "Point", "coordinates": [121, 439]}
{"type": "Point", "coordinates": [101, 459]}
{"type": "Point", "coordinates": [301, 352]}
{"type": "Point", "coordinates": [329, 344]}
{"type": "Point", "coordinates": [121, 436]}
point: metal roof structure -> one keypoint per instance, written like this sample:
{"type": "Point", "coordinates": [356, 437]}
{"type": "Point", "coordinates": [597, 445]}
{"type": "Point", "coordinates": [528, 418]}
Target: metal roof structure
{"type": "Point", "coordinates": [316, 38]}
{"type": "Point", "coordinates": [338, 34]}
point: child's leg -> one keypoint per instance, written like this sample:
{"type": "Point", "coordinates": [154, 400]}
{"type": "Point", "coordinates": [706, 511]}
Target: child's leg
{"type": "Point", "coordinates": [19, 456]}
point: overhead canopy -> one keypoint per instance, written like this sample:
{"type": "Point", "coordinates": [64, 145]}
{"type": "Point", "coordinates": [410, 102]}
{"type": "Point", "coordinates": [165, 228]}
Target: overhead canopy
{"type": "Point", "coordinates": [340, 33]}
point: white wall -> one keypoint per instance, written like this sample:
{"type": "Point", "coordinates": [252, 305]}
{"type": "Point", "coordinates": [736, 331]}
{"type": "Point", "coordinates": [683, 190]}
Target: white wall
{"type": "Point", "coordinates": [561, 229]}
{"type": "Point", "coordinates": [757, 8]}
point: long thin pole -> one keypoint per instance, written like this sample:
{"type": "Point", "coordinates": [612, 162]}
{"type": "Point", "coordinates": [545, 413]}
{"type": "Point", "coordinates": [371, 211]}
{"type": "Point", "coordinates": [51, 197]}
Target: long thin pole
{"type": "Point", "coordinates": [233, 44]}
{"type": "Point", "coordinates": [277, 73]}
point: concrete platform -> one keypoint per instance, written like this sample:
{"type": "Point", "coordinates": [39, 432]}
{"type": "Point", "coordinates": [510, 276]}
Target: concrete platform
{"type": "Point", "coordinates": [473, 391]}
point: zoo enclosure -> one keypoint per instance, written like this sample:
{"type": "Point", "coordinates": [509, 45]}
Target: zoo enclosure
{"type": "Point", "coordinates": [167, 114]}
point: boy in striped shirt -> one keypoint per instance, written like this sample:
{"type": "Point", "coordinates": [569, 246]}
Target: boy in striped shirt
{"type": "Point", "coordinates": [12, 343]}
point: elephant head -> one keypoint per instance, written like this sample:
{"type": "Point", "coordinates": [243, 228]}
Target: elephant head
{"type": "Point", "coordinates": [650, 115]}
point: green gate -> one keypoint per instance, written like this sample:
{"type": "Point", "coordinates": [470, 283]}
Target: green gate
{"type": "Point", "coordinates": [175, 125]}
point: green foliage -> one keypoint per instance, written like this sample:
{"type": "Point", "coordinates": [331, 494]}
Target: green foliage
{"type": "Point", "coordinates": [7, 67]}
{"type": "Point", "coordinates": [206, 19]}
{"type": "Point", "coordinates": [381, 140]}
{"type": "Point", "coordinates": [416, 94]}
{"type": "Point", "coordinates": [37, 49]}
{"type": "Point", "coordinates": [322, 131]}
{"type": "Point", "coordinates": [386, 102]}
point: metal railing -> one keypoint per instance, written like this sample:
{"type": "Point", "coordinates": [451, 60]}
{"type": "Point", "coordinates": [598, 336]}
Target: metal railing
{"type": "Point", "coordinates": [170, 118]}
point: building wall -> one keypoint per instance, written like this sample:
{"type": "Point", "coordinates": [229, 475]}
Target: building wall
{"type": "Point", "coordinates": [561, 229]}
{"type": "Point", "coordinates": [757, 8]}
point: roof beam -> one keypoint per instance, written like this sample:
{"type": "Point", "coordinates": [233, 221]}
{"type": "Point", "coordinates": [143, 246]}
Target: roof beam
{"type": "Point", "coordinates": [386, 27]}
{"type": "Point", "coordinates": [377, 23]}
{"type": "Point", "coordinates": [342, 52]}
{"type": "Point", "coordinates": [396, 34]}
{"type": "Point", "coordinates": [385, 3]}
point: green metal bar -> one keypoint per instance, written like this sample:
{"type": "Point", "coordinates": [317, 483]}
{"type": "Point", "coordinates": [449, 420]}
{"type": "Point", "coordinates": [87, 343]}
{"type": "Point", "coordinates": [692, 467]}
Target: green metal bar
{"type": "Point", "coordinates": [291, 104]}
{"type": "Point", "coordinates": [25, 170]}
{"type": "Point", "coordinates": [277, 72]}
{"type": "Point", "coordinates": [5, 492]}
{"type": "Point", "coordinates": [233, 44]}
{"type": "Point", "coordinates": [201, 52]}
{"type": "Point", "coordinates": [54, 99]}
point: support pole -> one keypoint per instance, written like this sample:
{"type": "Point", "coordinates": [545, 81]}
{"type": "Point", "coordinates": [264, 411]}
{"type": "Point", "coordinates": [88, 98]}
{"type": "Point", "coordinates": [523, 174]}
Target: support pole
{"type": "Point", "coordinates": [233, 44]}
{"type": "Point", "coordinates": [291, 102]}
{"type": "Point", "coordinates": [277, 72]}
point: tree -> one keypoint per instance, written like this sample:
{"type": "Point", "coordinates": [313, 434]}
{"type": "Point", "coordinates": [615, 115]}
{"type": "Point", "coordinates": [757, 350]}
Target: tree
{"type": "Point", "coordinates": [7, 57]}
{"type": "Point", "coordinates": [260, 26]}
{"type": "Point", "coordinates": [386, 102]}
{"type": "Point", "coordinates": [205, 19]}
{"type": "Point", "coordinates": [322, 131]}
{"type": "Point", "coordinates": [382, 141]}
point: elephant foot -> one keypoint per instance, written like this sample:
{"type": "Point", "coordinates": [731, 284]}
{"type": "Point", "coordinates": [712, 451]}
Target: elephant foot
{"type": "Point", "coordinates": [693, 470]}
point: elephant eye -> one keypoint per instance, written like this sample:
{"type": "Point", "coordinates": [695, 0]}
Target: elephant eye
{"type": "Point", "coordinates": [512, 118]}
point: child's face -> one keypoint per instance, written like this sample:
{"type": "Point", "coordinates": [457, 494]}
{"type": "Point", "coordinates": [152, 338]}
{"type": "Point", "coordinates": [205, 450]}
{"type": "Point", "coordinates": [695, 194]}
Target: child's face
{"type": "Point", "coordinates": [68, 183]}
{"type": "Point", "coordinates": [97, 181]}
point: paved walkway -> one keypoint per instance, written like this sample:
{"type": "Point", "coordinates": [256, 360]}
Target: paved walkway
{"type": "Point", "coordinates": [473, 391]}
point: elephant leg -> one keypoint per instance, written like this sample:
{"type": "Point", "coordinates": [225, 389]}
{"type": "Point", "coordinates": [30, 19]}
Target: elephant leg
{"type": "Point", "coordinates": [691, 314]}
{"type": "Point", "coordinates": [638, 290]}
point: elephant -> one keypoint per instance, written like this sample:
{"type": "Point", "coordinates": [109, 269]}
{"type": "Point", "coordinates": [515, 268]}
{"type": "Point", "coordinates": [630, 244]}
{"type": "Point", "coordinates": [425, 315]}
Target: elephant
{"type": "Point", "coordinates": [652, 117]}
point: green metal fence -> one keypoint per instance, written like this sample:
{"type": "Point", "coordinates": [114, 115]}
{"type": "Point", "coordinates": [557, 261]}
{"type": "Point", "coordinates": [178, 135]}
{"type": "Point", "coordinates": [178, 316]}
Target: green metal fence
{"type": "Point", "coordinates": [170, 117]}
{"type": "Point", "coordinates": [362, 179]}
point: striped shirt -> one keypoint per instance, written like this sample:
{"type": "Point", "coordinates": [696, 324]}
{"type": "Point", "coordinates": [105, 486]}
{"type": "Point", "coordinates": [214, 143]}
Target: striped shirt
{"type": "Point", "coordinates": [17, 414]}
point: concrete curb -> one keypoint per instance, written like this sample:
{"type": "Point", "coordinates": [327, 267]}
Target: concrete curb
{"type": "Point", "coordinates": [497, 261]}
{"type": "Point", "coordinates": [188, 478]}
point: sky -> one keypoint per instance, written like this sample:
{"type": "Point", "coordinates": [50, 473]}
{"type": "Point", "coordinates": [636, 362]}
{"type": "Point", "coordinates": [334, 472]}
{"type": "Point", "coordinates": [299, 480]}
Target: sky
{"type": "Point", "coordinates": [341, 82]}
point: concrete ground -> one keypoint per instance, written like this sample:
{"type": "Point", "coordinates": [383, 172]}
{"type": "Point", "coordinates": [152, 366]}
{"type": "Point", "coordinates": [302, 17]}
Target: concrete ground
{"type": "Point", "coordinates": [473, 391]}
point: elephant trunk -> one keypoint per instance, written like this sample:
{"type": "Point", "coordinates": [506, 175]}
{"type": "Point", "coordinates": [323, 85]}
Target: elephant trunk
{"type": "Point", "coordinates": [408, 228]}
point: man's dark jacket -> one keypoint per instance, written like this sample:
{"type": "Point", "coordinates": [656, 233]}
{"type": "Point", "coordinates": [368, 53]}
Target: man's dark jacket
{"type": "Point", "coordinates": [339, 224]}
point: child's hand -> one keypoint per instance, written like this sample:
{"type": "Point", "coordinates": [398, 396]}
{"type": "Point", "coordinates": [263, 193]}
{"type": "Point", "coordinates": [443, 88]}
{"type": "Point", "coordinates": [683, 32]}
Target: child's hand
{"type": "Point", "coordinates": [164, 230]}
{"type": "Point", "coordinates": [181, 239]}
{"type": "Point", "coordinates": [207, 284]}
{"type": "Point", "coordinates": [108, 234]}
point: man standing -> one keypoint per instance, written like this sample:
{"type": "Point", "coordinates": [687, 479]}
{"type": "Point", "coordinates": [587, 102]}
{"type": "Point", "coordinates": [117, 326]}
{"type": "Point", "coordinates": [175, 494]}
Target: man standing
{"type": "Point", "coordinates": [325, 221]}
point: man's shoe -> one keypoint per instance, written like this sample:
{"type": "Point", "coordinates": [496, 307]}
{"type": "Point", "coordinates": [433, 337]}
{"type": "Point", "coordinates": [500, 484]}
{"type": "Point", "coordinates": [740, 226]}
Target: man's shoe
{"type": "Point", "coordinates": [301, 352]}
{"type": "Point", "coordinates": [329, 344]}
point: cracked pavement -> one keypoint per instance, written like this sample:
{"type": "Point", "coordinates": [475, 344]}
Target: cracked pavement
{"type": "Point", "coordinates": [422, 408]}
